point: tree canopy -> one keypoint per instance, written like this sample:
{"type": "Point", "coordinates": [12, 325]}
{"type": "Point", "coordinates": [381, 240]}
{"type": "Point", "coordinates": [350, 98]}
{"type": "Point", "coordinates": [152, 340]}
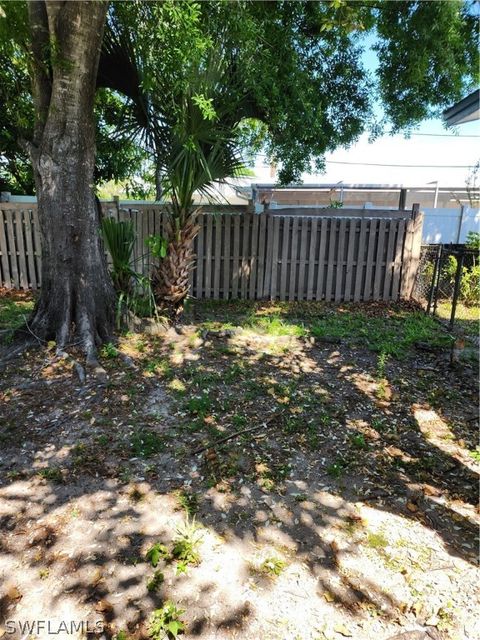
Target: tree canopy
{"type": "Point", "coordinates": [296, 81]}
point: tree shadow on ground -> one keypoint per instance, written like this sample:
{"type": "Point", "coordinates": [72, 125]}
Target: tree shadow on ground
{"type": "Point", "coordinates": [291, 488]}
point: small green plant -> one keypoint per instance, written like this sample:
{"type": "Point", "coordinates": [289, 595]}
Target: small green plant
{"type": "Point", "coordinates": [473, 240]}
{"type": "Point", "coordinates": [158, 246]}
{"type": "Point", "coordinates": [120, 238]}
{"type": "Point", "coordinates": [188, 501]}
{"type": "Point", "coordinates": [145, 443]}
{"type": "Point", "coordinates": [475, 454]}
{"type": "Point", "coordinates": [273, 566]}
{"type": "Point", "coordinates": [166, 623]}
{"type": "Point", "coordinates": [358, 441]}
{"type": "Point", "coordinates": [381, 363]}
{"type": "Point", "coordinates": [156, 553]}
{"type": "Point", "coordinates": [54, 474]}
{"type": "Point", "coordinates": [377, 540]}
{"type": "Point", "coordinates": [155, 582]}
{"type": "Point", "coordinates": [109, 351]}
{"type": "Point", "coordinates": [187, 542]}
{"type": "Point", "coordinates": [336, 469]}
{"type": "Point", "coordinates": [44, 573]}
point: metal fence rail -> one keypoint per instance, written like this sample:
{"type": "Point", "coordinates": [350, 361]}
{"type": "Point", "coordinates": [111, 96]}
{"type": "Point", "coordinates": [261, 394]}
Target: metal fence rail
{"type": "Point", "coordinates": [267, 256]}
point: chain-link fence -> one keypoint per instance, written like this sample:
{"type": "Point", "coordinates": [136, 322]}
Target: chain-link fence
{"type": "Point", "coordinates": [448, 286]}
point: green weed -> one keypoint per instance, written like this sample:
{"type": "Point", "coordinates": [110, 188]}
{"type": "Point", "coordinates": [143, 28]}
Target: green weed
{"type": "Point", "coordinates": [145, 443]}
{"type": "Point", "coordinates": [166, 622]}
{"type": "Point", "coordinates": [155, 582]}
{"type": "Point", "coordinates": [156, 553]}
{"type": "Point", "coordinates": [187, 542]}
{"type": "Point", "coordinates": [53, 474]}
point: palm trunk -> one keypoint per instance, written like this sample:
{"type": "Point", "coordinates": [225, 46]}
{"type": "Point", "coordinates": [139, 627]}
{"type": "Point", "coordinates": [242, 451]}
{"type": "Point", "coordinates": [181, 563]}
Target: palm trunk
{"type": "Point", "coordinates": [171, 278]}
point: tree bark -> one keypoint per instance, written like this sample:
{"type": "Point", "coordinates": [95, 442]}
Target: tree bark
{"type": "Point", "coordinates": [77, 298]}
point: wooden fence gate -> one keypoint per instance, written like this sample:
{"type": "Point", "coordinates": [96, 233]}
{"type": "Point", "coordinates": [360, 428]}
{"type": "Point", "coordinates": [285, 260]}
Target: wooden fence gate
{"type": "Point", "coordinates": [323, 254]}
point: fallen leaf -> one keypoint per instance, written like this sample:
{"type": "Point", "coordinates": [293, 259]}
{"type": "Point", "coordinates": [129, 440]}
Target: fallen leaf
{"type": "Point", "coordinates": [14, 593]}
{"type": "Point", "coordinates": [342, 629]}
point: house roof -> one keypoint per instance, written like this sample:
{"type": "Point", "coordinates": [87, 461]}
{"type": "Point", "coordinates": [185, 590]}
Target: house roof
{"type": "Point", "coordinates": [465, 110]}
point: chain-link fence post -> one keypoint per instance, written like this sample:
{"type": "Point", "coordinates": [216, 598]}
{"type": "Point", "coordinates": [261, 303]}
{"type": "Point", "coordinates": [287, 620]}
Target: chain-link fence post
{"type": "Point", "coordinates": [456, 288]}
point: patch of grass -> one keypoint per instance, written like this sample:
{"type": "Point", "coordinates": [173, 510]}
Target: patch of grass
{"type": "Point", "coordinates": [376, 540]}
{"type": "Point", "coordinates": [145, 443]}
{"type": "Point", "coordinates": [199, 405]}
{"type": "Point", "coordinates": [160, 367]}
{"type": "Point", "coordinates": [239, 421]}
{"type": "Point", "coordinates": [390, 335]}
{"type": "Point", "coordinates": [177, 386]}
{"type": "Point", "coordinates": [275, 326]}
{"type": "Point", "coordinates": [14, 310]}
{"type": "Point", "coordinates": [53, 474]}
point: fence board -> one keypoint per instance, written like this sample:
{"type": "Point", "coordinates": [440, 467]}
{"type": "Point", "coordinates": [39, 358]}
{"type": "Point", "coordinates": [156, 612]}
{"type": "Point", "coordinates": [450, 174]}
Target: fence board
{"type": "Point", "coordinates": [275, 241]}
{"type": "Point", "coordinates": [331, 259]}
{"type": "Point", "coordinates": [362, 240]}
{"type": "Point", "coordinates": [200, 258]}
{"type": "Point", "coordinates": [321, 259]}
{"type": "Point", "coordinates": [397, 265]}
{"type": "Point", "coordinates": [293, 260]}
{"type": "Point", "coordinates": [378, 267]}
{"type": "Point", "coordinates": [253, 265]}
{"type": "Point", "coordinates": [262, 234]}
{"type": "Point", "coordinates": [7, 282]}
{"type": "Point", "coordinates": [236, 255]}
{"type": "Point", "coordinates": [218, 256]}
{"type": "Point", "coordinates": [208, 256]}
{"type": "Point", "coordinates": [339, 293]}
{"type": "Point", "coordinates": [226, 258]}
{"type": "Point", "coordinates": [21, 254]}
{"type": "Point", "coordinates": [392, 231]}
{"type": "Point", "coordinates": [303, 254]}
{"type": "Point", "coordinates": [311, 258]}
{"type": "Point", "coordinates": [12, 249]}
{"type": "Point", "coordinates": [269, 258]}
{"type": "Point", "coordinates": [368, 288]}
{"type": "Point", "coordinates": [245, 254]}
{"type": "Point", "coordinates": [352, 235]}
{"type": "Point", "coordinates": [32, 276]}
{"type": "Point", "coordinates": [254, 256]}
{"type": "Point", "coordinates": [284, 258]}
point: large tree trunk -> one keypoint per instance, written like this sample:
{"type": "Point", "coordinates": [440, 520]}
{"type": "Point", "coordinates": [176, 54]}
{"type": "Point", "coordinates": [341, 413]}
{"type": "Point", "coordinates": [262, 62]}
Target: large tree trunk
{"type": "Point", "coordinates": [77, 298]}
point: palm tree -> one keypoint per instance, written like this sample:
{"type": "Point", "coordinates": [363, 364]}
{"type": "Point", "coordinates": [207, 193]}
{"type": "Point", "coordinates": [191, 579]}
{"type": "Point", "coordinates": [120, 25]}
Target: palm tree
{"type": "Point", "coordinates": [191, 131]}
{"type": "Point", "coordinates": [201, 152]}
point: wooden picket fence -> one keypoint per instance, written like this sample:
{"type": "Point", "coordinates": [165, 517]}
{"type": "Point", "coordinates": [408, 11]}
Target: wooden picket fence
{"type": "Point", "coordinates": [332, 255]}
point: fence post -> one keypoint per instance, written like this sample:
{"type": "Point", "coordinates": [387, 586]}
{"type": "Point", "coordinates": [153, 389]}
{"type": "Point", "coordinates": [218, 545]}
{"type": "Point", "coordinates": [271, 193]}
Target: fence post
{"type": "Point", "coordinates": [402, 200]}
{"type": "Point", "coordinates": [411, 252]}
{"type": "Point", "coordinates": [434, 283]}
{"type": "Point", "coordinates": [456, 289]}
